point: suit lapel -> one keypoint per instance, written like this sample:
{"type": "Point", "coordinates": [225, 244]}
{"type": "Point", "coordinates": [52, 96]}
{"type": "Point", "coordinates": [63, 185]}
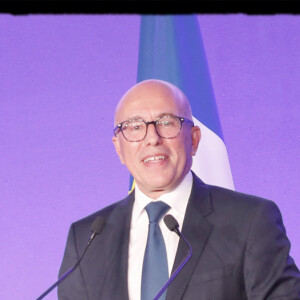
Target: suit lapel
{"type": "Point", "coordinates": [111, 255]}
{"type": "Point", "coordinates": [196, 229]}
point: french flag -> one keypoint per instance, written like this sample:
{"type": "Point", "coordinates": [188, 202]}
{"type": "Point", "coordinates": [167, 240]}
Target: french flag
{"type": "Point", "coordinates": [171, 49]}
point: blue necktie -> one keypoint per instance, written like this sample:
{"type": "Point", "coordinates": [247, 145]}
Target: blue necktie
{"type": "Point", "coordinates": [155, 267]}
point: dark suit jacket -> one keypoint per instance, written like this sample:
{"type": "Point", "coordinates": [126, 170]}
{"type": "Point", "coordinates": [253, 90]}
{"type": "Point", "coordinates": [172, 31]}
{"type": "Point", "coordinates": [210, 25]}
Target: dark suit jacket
{"type": "Point", "coordinates": [240, 251]}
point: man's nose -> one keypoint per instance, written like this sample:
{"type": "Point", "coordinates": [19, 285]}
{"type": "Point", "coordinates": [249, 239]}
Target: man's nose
{"type": "Point", "coordinates": [152, 136]}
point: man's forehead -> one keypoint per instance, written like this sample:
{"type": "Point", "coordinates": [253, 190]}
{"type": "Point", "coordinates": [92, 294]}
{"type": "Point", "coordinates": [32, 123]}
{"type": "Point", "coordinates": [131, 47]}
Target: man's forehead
{"type": "Point", "coordinates": [152, 108]}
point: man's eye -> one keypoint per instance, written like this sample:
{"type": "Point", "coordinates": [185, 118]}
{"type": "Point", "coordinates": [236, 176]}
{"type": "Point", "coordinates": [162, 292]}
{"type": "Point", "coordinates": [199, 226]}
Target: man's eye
{"type": "Point", "coordinates": [165, 123]}
{"type": "Point", "coordinates": [135, 126]}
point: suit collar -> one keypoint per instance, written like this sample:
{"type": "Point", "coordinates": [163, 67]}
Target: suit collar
{"type": "Point", "coordinates": [200, 197]}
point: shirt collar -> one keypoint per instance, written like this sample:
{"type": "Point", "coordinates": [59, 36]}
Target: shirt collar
{"type": "Point", "coordinates": [176, 199]}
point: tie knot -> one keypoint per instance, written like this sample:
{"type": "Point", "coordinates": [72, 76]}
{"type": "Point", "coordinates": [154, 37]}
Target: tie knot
{"type": "Point", "coordinates": [156, 210]}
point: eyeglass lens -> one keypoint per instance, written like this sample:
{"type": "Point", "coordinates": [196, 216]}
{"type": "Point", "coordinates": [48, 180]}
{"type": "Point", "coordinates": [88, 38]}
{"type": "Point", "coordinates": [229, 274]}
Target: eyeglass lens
{"type": "Point", "coordinates": [166, 127]}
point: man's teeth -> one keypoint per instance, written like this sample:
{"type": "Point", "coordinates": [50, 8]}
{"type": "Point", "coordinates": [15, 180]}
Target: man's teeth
{"type": "Point", "coordinates": [155, 158]}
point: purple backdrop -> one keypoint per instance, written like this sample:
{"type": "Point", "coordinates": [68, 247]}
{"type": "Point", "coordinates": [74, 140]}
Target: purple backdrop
{"type": "Point", "coordinates": [61, 78]}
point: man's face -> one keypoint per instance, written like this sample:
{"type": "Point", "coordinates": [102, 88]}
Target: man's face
{"type": "Point", "coordinates": [158, 165]}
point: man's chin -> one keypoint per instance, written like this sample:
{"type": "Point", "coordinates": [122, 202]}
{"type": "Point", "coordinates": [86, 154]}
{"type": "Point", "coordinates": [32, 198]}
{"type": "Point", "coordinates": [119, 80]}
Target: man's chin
{"type": "Point", "coordinates": [160, 187]}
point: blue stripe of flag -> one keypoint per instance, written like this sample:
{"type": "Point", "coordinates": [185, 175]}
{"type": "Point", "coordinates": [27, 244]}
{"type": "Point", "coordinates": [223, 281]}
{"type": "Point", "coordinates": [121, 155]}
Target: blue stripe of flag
{"type": "Point", "coordinates": [171, 49]}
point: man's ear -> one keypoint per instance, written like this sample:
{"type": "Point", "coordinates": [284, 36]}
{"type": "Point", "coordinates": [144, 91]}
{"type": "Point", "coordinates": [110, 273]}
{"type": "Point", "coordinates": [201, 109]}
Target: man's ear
{"type": "Point", "coordinates": [196, 136]}
{"type": "Point", "coordinates": [116, 143]}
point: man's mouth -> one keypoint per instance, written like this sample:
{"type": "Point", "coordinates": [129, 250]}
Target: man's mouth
{"type": "Point", "coordinates": [154, 159]}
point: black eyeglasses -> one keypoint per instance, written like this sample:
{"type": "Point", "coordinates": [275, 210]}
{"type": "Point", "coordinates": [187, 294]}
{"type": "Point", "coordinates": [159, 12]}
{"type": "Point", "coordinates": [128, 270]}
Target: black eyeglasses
{"type": "Point", "coordinates": [167, 127]}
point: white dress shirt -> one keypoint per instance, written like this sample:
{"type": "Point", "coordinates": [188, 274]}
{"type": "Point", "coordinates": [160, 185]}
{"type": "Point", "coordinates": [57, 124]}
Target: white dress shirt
{"type": "Point", "coordinates": [177, 200]}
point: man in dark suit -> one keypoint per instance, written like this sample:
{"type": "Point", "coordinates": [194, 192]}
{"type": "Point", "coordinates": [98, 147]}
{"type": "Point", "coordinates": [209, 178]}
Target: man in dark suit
{"type": "Point", "coordinates": [240, 248]}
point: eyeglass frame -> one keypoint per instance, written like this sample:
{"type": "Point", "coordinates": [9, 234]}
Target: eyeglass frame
{"type": "Point", "coordinates": [118, 127]}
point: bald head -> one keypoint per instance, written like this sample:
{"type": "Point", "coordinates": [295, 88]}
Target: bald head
{"type": "Point", "coordinates": [146, 92]}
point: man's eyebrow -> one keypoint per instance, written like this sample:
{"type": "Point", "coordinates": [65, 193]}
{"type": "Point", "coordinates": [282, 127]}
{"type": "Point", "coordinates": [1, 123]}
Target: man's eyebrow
{"type": "Point", "coordinates": [137, 117]}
